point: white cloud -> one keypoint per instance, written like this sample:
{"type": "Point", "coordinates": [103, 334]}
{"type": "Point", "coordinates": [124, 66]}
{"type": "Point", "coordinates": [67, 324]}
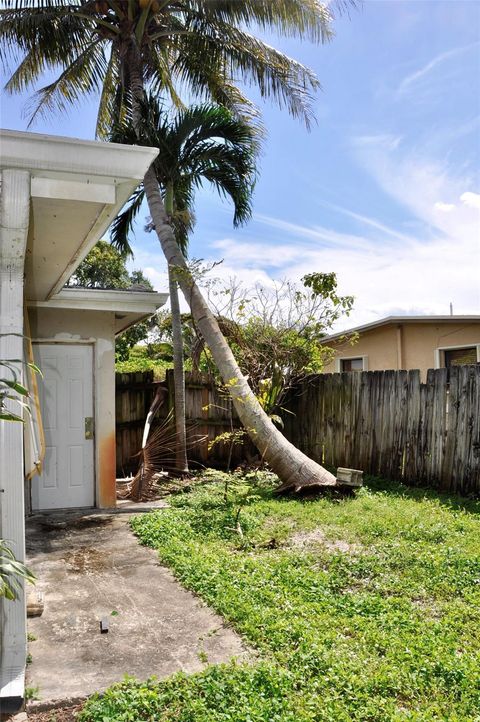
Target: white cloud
{"type": "Point", "coordinates": [373, 222]}
{"type": "Point", "coordinates": [443, 263]}
{"type": "Point", "coordinates": [471, 200]}
{"type": "Point", "coordinates": [392, 278]}
{"type": "Point", "coordinates": [390, 270]}
{"type": "Point", "coordinates": [444, 207]}
{"type": "Point", "coordinates": [250, 253]}
{"type": "Point", "coordinates": [159, 279]}
{"type": "Point", "coordinates": [315, 234]}
{"type": "Point", "coordinates": [413, 78]}
{"type": "Point", "coordinates": [384, 140]}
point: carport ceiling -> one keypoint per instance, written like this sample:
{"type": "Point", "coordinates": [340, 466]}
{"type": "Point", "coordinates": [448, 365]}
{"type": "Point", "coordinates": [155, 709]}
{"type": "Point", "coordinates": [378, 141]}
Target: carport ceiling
{"type": "Point", "coordinates": [56, 234]}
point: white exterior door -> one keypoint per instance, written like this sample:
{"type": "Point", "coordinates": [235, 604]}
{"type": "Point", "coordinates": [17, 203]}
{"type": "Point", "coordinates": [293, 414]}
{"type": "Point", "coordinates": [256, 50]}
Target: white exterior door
{"type": "Point", "coordinates": [66, 401]}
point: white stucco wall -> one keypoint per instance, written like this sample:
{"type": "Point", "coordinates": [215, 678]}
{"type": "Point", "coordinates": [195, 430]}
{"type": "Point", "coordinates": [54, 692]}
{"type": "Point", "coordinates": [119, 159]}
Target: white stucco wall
{"type": "Point", "coordinates": [14, 217]}
{"type": "Point", "coordinates": [96, 327]}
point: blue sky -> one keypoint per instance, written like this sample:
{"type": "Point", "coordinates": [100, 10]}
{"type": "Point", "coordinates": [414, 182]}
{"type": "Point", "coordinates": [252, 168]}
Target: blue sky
{"type": "Point", "coordinates": [385, 189]}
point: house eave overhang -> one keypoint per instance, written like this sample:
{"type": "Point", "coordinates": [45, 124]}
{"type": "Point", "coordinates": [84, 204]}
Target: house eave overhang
{"type": "Point", "coordinates": [77, 189]}
{"type": "Point", "coordinates": [129, 307]}
{"type": "Point", "coordinates": [399, 320]}
{"type": "Point", "coordinates": [55, 154]}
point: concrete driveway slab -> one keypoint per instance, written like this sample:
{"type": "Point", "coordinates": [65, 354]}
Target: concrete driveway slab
{"type": "Point", "coordinates": [91, 568]}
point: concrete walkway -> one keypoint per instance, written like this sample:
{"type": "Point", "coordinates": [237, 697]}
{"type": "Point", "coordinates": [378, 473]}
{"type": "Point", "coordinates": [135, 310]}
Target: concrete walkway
{"type": "Point", "coordinates": [89, 567]}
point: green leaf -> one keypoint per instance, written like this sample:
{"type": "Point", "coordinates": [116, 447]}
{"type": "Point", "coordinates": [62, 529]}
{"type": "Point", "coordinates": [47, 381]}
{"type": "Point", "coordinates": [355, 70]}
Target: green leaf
{"type": "Point", "coordinates": [10, 416]}
{"type": "Point", "coordinates": [16, 387]}
{"type": "Point", "coordinates": [35, 368]}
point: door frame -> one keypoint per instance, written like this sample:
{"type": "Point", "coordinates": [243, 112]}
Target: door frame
{"type": "Point", "coordinates": [93, 344]}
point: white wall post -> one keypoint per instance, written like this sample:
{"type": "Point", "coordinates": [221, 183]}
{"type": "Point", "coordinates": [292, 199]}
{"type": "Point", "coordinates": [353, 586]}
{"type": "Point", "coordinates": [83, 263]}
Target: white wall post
{"type": "Point", "coordinates": [14, 220]}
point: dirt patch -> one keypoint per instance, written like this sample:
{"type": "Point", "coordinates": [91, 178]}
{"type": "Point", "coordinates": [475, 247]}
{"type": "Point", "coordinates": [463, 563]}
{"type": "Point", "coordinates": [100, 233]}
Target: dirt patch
{"type": "Point", "coordinates": [82, 522]}
{"type": "Point", "coordinates": [85, 560]}
{"type": "Point", "coordinates": [359, 586]}
{"type": "Point", "coordinates": [428, 607]}
{"type": "Point", "coordinates": [85, 522]}
{"type": "Point", "coordinates": [316, 537]}
{"type": "Point", "coordinates": [59, 714]}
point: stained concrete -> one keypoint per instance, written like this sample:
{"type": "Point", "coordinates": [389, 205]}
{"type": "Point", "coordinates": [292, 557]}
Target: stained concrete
{"type": "Point", "coordinates": [89, 566]}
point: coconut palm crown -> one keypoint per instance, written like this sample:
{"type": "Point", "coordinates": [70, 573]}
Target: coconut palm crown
{"type": "Point", "coordinates": [199, 47]}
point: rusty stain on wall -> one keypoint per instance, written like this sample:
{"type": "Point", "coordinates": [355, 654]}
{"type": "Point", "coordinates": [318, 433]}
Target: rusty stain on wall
{"type": "Point", "coordinates": [106, 472]}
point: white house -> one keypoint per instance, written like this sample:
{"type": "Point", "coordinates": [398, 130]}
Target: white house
{"type": "Point", "coordinates": [57, 198]}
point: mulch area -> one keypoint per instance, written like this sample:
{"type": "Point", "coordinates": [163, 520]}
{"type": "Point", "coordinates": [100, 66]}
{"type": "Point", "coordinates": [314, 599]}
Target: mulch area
{"type": "Point", "coordinates": [59, 714]}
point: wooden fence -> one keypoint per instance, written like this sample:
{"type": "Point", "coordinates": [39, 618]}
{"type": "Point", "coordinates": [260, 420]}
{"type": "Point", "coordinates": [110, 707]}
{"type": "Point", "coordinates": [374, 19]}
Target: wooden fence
{"type": "Point", "coordinates": [386, 423]}
{"type": "Point", "coordinates": [390, 424]}
{"type": "Point", "coordinates": [209, 414]}
{"type": "Point", "coordinates": [133, 395]}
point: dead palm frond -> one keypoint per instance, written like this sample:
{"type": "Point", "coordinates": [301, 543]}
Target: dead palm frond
{"type": "Point", "coordinates": [158, 455]}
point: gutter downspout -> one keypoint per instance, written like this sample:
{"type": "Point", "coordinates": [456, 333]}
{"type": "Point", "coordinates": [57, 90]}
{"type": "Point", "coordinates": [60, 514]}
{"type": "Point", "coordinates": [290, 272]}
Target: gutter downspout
{"type": "Point", "coordinates": [400, 359]}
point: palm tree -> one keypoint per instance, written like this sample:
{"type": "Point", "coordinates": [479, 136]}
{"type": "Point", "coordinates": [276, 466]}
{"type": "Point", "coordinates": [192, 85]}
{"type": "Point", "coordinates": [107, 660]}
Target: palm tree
{"type": "Point", "coordinates": [119, 47]}
{"type": "Point", "coordinates": [122, 47]}
{"type": "Point", "coordinates": [202, 143]}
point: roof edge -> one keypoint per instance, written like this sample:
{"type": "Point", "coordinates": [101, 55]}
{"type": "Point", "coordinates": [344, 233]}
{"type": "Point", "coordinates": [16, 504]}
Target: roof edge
{"type": "Point", "coordinates": [96, 299]}
{"type": "Point", "coordinates": [39, 152]}
{"type": "Point", "coordinates": [388, 320]}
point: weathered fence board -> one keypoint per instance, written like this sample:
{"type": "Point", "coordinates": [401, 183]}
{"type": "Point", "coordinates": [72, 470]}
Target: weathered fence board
{"type": "Point", "coordinates": [209, 414]}
{"type": "Point", "coordinates": [388, 423]}
{"type": "Point", "coordinates": [384, 422]}
{"type": "Point", "coordinates": [134, 393]}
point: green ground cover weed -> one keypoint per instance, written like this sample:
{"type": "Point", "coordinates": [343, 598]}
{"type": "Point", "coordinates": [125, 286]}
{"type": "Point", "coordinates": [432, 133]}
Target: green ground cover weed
{"type": "Point", "coordinates": [359, 609]}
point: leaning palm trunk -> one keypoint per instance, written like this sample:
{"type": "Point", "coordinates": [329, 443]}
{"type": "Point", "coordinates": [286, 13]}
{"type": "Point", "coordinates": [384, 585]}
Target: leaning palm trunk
{"type": "Point", "coordinates": [178, 375]}
{"type": "Point", "coordinates": [292, 466]}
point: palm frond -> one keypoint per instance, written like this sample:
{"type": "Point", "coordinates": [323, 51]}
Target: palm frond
{"type": "Point", "coordinates": [229, 184]}
{"type": "Point", "coordinates": [207, 121]}
{"type": "Point", "coordinates": [158, 455]}
{"type": "Point", "coordinates": [305, 19]}
{"type": "Point", "coordinates": [122, 226]}
{"type": "Point", "coordinates": [112, 107]}
{"type": "Point", "coordinates": [202, 47]}
{"type": "Point", "coordinates": [82, 76]}
{"type": "Point", "coordinates": [199, 55]}
{"type": "Point", "coordinates": [48, 37]}
{"type": "Point", "coordinates": [204, 144]}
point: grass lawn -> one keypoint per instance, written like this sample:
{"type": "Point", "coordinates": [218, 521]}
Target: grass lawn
{"type": "Point", "coordinates": [365, 608]}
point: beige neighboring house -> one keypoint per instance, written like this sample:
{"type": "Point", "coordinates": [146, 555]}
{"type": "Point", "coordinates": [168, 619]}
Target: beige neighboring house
{"type": "Point", "coordinates": [58, 196]}
{"type": "Point", "coordinates": [407, 342]}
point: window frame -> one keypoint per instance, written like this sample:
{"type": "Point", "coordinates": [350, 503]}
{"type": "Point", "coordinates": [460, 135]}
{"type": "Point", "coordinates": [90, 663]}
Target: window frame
{"type": "Point", "coordinates": [339, 359]}
{"type": "Point", "coordinates": [439, 353]}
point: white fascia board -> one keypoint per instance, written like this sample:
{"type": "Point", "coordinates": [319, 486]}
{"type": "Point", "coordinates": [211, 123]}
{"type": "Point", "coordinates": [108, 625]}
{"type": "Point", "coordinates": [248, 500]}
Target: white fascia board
{"type": "Point", "coordinates": [70, 190]}
{"type": "Point", "coordinates": [113, 162]}
{"type": "Point", "coordinates": [89, 299]}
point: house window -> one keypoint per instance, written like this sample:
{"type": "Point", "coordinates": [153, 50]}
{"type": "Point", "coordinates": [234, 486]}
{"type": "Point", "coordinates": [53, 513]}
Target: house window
{"type": "Point", "coordinates": [460, 356]}
{"type": "Point", "coordinates": [351, 364]}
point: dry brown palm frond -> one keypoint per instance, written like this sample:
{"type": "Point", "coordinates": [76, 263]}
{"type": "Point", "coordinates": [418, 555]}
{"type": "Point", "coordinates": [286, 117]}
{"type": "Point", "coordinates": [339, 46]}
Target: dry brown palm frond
{"type": "Point", "coordinates": [158, 455]}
